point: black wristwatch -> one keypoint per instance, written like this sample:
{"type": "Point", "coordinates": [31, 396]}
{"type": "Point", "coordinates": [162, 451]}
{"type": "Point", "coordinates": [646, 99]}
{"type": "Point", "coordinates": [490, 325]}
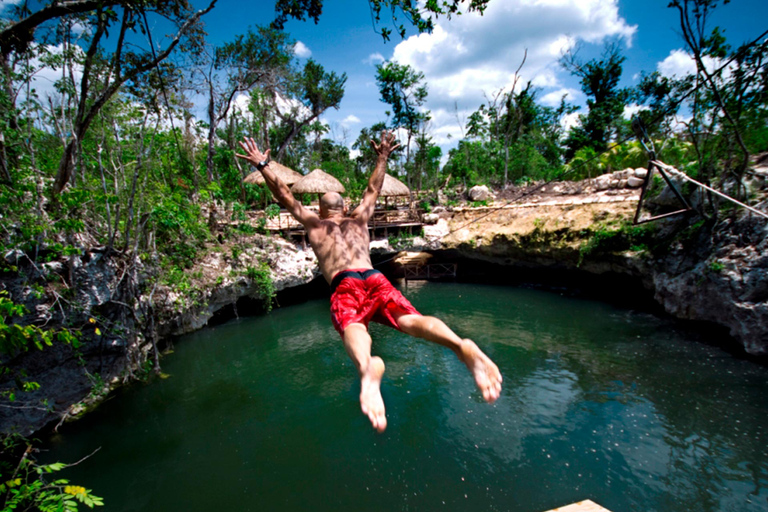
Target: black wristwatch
{"type": "Point", "coordinates": [261, 165]}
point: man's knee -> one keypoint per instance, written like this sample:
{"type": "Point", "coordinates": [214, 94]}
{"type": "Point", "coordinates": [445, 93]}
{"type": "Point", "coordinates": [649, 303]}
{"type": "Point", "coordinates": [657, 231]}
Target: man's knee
{"type": "Point", "coordinates": [414, 323]}
{"type": "Point", "coordinates": [355, 330]}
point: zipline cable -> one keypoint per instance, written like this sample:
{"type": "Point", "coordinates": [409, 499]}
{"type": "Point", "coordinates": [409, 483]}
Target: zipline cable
{"type": "Point", "coordinates": [674, 172]}
{"type": "Point", "coordinates": [661, 115]}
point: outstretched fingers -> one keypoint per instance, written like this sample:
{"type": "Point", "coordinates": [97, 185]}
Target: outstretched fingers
{"type": "Point", "coordinates": [252, 153]}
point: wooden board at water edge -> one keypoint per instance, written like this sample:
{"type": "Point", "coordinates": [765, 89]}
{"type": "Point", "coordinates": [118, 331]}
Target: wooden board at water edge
{"type": "Point", "coordinates": [582, 506]}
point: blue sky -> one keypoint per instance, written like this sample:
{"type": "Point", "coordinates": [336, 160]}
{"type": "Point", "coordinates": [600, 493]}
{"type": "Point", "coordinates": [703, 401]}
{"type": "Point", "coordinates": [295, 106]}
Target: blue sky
{"type": "Point", "coordinates": [470, 57]}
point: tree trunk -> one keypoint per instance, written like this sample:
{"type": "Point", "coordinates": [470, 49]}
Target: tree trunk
{"type": "Point", "coordinates": [212, 118]}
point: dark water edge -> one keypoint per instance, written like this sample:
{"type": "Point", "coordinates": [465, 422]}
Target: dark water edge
{"type": "Point", "coordinates": [618, 289]}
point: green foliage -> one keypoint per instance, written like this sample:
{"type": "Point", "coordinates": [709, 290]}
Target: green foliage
{"type": "Point", "coordinates": [599, 79]}
{"type": "Point", "coordinates": [402, 240]}
{"type": "Point", "coordinates": [588, 163]}
{"type": "Point", "coordinates": [626, 237]}
{"type": "Point", "coordinates": [419, 16]}
{"type": "Point", "coordinates": [15, 338]}
{"type": "Point", "coordinates": [25, 485]}
{"type": "Point", "coordinates": [180, 228]}
{"type": "Point", "coordinates": [402, 89]}
{"type": "Point", "coordinates": [715, 266]}
{"type": "Point", "coordinates": [272, 211]}
{"type": "Point", "coordinates": [262, 278]}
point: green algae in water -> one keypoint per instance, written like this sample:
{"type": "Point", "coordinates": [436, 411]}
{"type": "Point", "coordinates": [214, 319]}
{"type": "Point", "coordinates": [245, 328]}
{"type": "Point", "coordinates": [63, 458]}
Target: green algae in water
{"type": "Point", "coordinates": [598, 402]}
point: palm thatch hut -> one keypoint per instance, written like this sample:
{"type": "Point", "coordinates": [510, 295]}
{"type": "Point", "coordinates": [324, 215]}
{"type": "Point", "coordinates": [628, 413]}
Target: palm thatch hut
{"type": "Point", "coordinates": [317, 182]}
{"type": "Point", "coordinates": [393, 187]}
{"type": "Point", "coordinates": [286, 175]}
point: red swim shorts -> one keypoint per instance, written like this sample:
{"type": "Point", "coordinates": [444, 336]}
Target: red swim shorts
{"type": "Point", "coordinates": [362, 295]}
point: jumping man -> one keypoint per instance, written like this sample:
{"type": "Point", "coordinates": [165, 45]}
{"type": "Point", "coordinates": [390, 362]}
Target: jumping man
{"type": "Point", "coordinates": [359, 293]}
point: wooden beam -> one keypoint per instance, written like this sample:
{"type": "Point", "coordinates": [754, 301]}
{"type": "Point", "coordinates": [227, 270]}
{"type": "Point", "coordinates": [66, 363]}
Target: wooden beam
{"type": "Point", "coordinates": [582, 506]}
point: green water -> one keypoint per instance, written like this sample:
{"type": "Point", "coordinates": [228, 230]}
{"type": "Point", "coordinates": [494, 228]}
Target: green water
{"type": "Point", "coordinates": [599, 402]}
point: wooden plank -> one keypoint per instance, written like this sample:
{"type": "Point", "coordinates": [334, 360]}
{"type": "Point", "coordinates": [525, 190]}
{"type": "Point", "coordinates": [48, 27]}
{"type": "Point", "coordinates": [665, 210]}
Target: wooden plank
{"type": "Point", "coordinates": [582, 506]}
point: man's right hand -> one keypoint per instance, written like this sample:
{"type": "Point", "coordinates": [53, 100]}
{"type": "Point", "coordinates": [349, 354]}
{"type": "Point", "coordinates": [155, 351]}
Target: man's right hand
{"type": "Point", "coordinates": [387, 146]}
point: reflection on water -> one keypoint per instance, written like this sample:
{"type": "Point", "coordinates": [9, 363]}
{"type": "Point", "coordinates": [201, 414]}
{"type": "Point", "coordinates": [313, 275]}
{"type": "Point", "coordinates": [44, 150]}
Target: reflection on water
{"type": "Point", "coordinates": [603, 403]}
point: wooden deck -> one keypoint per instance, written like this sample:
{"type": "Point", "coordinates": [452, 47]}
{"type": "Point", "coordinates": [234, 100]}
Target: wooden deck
{"type": "Point", "coordinates": [582, 506]}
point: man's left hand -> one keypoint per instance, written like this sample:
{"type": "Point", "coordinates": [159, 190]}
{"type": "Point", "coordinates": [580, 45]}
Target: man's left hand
{"type": "Point", "coordinates": [386, 147]}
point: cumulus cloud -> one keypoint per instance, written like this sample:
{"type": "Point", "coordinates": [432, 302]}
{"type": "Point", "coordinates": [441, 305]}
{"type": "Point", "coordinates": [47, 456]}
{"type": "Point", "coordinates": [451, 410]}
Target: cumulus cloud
{"type": "Point", "coordinates": [5, 6]}
{"type": "Point", "coordinates": [374, 58]}
{"type": "Point", "coordinates": [350, 120]}
{"type": "Point", "coordinates": [680, 64]}
{"type": "Point", "coordinates": [472, 56]}
{"type": "Point", "coordinates": [301, 50]}
{"type": "Point", "coordinates": [630, 110]}
{"type": "Point", "coordinates": [570, 120]}
{"type": "Point", "coordinates": [552, 99]}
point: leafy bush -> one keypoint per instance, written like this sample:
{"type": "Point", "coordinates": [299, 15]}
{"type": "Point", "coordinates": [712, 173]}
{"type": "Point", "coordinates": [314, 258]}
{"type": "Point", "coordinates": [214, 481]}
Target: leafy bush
{"type": "Point", "coordinates": [262, 278]}
{"type": "Point", "coordinates": [24, 485]}
{"type": "Point", "coordinates": [180, 229]}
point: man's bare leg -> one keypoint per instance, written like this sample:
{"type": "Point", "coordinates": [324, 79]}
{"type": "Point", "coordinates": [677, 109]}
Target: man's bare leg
{"type": "Point", "coordinates": [486, 373]}
{"type": "Point", "coordinates": [357, 341]}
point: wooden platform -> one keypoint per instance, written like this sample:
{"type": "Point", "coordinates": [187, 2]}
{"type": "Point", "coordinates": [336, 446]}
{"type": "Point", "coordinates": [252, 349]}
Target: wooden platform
{"type": "Point", "coordinates": [582, 506]}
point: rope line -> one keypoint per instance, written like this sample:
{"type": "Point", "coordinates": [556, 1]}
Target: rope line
{"type": "Point", "coordinates": [661, 115]}
{"type": "Point", "coordinates": [674, 172]}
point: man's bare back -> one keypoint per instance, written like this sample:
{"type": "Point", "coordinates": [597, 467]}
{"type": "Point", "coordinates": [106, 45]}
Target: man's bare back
{"type": "Point", "coordinates": [337, 243]}
{"type": "Point", "coordinates": [341, 243]}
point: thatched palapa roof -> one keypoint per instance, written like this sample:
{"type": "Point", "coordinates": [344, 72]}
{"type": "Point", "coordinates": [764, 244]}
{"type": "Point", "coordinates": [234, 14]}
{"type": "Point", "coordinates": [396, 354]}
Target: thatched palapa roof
{"type": "Point", "coordinates": [286, 174]}
{"type": "Point", "coordinates": [317, 182]}
{"type": "Point", "coordinates": [393, 187]}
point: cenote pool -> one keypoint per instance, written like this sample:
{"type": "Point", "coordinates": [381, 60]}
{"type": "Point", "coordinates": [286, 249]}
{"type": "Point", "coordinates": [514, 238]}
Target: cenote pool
{"type": "Point", "coordinates": [261, 413]}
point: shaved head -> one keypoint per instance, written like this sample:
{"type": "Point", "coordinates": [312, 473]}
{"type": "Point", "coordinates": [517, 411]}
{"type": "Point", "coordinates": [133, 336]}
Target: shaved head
{"type": "Point", "coordinates": [331, 201]}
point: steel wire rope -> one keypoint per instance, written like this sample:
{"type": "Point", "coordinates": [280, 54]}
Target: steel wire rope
{"type": "Point", "coordinates": [674, 105]}
{"type": "Point", "coordinates": [530, 191]}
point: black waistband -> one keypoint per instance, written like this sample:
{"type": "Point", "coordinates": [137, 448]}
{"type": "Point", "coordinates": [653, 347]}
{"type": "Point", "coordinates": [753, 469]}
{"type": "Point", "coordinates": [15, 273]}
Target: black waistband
{"type": "Point", "coordinates": [338, 278]}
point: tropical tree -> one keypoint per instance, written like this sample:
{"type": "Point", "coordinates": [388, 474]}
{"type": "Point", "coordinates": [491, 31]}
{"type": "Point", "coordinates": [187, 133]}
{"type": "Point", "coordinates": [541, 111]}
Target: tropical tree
{"type": "Point", "coordinates": [256, 58]}
{"type": "Point", "coordinates": [402, 88]}
{"type": "Point", "coordinates": [310, 93]}
{"type": "Point", "coordinates": [599, 79]}
{"type": "Point", "coordinates": [102, 73]}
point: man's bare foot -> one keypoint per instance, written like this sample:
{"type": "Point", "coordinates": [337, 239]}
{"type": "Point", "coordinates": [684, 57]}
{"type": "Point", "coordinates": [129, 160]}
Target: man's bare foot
{"type": "Point", "coordinates": [486, 373]}
{"type": "Point", "coordinates": [370, 394]}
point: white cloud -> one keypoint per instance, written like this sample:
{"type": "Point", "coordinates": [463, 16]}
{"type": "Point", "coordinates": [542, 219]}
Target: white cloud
{"type": "Point", "coordinates": [43, 82]}
{"type": "Point", "coordinates": [680, 64]}
{"type": "Point", "coordinates": [552, 99]}
{"type": "Point", "coordinates": [630, 110]}
{"type": "Point", "coordinates": [468, 58]}
{"type": "Point", "coordinates": [301, 50]}
{"type": "Point", "coordinates": [570, 120]}
{"type": "Point", "coordinates": [5, 5]}
{"type": "Point", "coordinates": [350, 120]}
{"type": "Point", "coordinates": [373, 59]}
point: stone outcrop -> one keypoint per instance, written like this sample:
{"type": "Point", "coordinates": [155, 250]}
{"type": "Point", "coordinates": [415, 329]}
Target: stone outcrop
{"type": "Point", "coordinates": [119, 315]}
{"type": "Point", "coordinates": [726, 283]}
{"type": "Point", "coordinates": [719, 276]}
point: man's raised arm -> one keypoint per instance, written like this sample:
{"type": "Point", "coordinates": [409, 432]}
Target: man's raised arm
{"type": "Point", "coordinates": [376, 181]}
{"type": "Point", "coordinates": [279, 189]}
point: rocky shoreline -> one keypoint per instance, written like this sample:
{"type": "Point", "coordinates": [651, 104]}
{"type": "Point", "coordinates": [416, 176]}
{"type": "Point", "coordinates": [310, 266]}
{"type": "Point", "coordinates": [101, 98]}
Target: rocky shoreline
{"type": "Point", "coordinates": [711, 273]}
